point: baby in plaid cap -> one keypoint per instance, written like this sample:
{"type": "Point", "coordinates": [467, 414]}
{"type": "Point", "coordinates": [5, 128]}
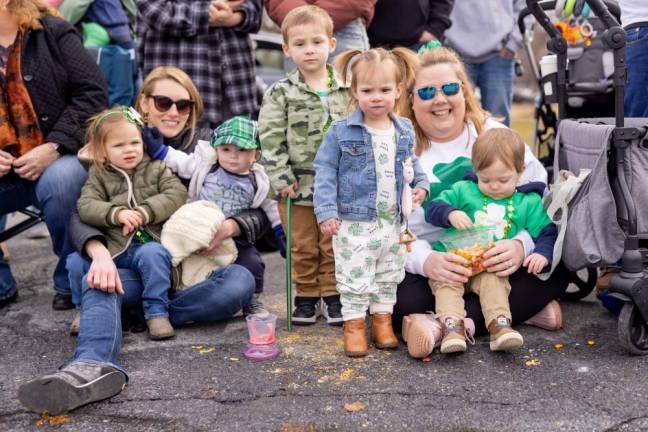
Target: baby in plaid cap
{"type": "Point", "coordinates": [225, 172]}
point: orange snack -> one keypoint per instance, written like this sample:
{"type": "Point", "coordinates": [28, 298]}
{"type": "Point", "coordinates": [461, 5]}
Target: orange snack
{"type": "Point", "coordinates": [475, 256]}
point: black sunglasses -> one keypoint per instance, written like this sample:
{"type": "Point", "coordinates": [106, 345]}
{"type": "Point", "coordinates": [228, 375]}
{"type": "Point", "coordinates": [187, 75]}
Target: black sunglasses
{"type": "Point", "coordinates": [449, 89]}
{"type": "Point", "coordinates": [164, 104]}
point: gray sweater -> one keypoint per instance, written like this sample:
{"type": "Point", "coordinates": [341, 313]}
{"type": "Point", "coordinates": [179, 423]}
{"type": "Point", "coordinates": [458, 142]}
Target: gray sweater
{"type": "Point", "coordinates": [480, 28]}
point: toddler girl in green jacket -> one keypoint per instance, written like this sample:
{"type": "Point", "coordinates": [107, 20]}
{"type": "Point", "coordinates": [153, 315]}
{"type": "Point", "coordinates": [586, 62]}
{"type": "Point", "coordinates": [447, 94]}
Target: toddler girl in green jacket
{"type": "Point", "coordinates": [129, 197]}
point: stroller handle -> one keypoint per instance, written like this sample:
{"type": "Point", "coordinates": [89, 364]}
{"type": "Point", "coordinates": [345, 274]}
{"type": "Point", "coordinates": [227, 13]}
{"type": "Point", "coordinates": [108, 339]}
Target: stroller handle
{"type": "Point", "coordinates": [602, 9]}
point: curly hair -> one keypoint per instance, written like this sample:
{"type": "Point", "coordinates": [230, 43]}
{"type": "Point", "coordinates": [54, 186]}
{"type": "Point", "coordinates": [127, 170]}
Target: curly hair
{"type": "Point", "coordinates": [29, 12]}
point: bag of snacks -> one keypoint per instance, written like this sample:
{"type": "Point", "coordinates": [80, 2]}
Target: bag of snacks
{"type": "Point", "coordinates": [471, 244]}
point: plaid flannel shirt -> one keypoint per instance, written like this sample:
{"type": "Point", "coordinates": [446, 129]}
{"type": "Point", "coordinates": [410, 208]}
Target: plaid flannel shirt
{"type": "Point", "coordinates": [219, 60]}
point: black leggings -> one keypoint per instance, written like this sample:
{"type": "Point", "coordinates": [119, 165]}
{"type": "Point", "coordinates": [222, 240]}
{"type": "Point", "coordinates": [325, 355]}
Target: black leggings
{"type": "Point", "coordinates": [528, 296]}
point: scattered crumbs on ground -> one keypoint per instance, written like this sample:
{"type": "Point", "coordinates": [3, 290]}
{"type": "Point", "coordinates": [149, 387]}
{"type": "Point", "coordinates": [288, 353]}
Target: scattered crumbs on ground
{"type": "Point", "coordinates": [57, 420]}
{"type": "Point", "coordinates": [354, 406]}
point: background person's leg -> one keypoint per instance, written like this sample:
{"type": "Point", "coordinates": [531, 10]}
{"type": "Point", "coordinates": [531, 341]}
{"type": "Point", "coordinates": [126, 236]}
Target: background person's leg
{"type": "Point", "coordinates": [15, 194]}
{"type": "Point", "coordinates": [495, 82]}
{"type": "Point", "coordinates": [636, 89]}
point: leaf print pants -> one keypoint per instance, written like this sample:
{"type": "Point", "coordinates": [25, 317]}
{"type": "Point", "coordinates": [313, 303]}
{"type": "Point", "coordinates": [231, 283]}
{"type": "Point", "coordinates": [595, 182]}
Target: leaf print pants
{"type": "Point", "coordinates": [369, 264]}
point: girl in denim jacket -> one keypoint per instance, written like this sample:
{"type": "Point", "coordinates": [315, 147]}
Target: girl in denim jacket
{"type": "Point", "coordinates": [358, 190]}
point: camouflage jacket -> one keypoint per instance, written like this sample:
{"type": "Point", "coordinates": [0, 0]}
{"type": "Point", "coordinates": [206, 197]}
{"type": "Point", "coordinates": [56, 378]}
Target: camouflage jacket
{"type": "Point", "coordinates": [291, 124]}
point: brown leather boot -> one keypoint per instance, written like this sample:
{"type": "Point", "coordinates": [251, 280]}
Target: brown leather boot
{"type": "Point", "coordinates": [383, 332]}
{"type": "Point", "coordinates": [355, 338]}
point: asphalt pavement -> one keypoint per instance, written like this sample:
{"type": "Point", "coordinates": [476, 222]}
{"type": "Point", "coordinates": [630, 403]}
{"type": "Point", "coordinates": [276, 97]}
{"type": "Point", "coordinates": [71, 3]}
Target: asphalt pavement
{"type": "Point", "coordinates": [577, 379]}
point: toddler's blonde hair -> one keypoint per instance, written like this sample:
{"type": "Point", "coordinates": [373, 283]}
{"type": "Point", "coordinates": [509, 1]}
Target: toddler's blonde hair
{"type": "Point", "coordinates": [359, 63]}
{"type": "Point", "coordinates": [501, 144]}
{"type": "Point", "coordinates": [309, 14]}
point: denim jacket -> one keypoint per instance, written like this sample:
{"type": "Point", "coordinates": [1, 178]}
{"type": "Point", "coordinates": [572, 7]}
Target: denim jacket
{"type": "Point", "coordinates": [345, 170]}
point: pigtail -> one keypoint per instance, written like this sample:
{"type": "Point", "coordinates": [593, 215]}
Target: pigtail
{"type": "Point", "coordinates": [344, 64]}
{"type": "Point", "coordinates": [407, 62]}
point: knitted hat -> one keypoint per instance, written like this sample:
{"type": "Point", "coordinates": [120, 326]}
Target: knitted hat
{"type": "Point", "coordinates": [189, 230]}
{"type": "Point", "coordinates": [240, 131]}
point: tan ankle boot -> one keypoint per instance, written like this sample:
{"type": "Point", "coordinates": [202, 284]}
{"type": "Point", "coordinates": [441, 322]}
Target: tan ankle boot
{"type": "Point", "coordinates": [355, 338]}
{"type": "Point", "coordinates": [160, 328]}
{"type": "Point", "coordinates": [383, 332]}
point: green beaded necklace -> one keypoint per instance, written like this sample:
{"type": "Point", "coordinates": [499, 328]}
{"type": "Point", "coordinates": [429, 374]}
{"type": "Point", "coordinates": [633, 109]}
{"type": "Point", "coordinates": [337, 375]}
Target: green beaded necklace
{"type": "Point", "coordinates": [510, 209]}
{"type": "Point", "coordinates": [329, 119]}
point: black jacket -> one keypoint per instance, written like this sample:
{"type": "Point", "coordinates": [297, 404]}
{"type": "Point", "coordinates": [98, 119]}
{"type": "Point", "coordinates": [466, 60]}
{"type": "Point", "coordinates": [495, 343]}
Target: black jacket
{"type": "Point", "coordinates": [401, 22]}
{"type": "Point", "coordinates": [65, 85]}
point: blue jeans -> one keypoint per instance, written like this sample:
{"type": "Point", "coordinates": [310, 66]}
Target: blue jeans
{"type": "Point", "coordinates": [151, 261]}
{"type": "Point", "coordinates": [248, 257]}
{"type": "Point", "coordinates": [215, 299]}
{"type": "Point", "coordinates": [636, 89]}
{"type": "Point", "coordinates": [55, 193]}
{"type": "Point", "coordinates": [494, 78]}
{"type": "Point", "coordinates": [352, 35]}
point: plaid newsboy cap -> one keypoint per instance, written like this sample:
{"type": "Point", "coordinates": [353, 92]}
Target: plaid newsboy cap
{"type": "Point", "coordinates": [240, 131]}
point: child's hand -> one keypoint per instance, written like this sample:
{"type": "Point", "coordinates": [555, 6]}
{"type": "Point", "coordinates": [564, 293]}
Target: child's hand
{"type": "Point", "coordinates": [459, 219]}
{"type": "Point", "coordinates": [330, 227]}
{"type": "Point", "coordinates": [418, 196]}
{"type": "Point", "coordinates": [130, 219]}
{"type": "Point", "coordinates": [154, 143]}
{"type": "Point", "coordinates": [535, 263]}
{"type": "Point", "coordinates": [289, 191]}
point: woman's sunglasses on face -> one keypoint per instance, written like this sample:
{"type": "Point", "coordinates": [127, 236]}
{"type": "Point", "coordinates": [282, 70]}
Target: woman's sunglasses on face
{"type": "Point", "coordinates": [164, 104]}
{"type": "Point", "coordinates": [449, 89]}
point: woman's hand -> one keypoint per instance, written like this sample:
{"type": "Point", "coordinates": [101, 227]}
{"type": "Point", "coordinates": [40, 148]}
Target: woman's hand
{"type": "Point", "coordinates": [229, 228]}
{"type": "Point", "coordinates": [6, 162]}
{"type": "Point", "coordinates": [459, 219]}
{"type": "Point", "coordinates": [504, 258]}
{"type": "Point", "coordinates": [446, 267]}
{"type": "Point", "coordinates": [103, 274]}
{"type": "Point", "coordinates": [31, 165]}
{"type": "Point", "coordinates": [330, 227]}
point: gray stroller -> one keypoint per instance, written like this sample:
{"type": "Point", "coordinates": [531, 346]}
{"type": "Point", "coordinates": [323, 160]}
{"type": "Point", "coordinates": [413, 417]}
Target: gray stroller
{"type": "Point", "coordinates": [608, 217]}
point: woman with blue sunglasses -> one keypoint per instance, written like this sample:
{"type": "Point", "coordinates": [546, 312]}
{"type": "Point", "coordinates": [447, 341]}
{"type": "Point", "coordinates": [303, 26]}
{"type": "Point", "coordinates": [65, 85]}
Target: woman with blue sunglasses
{"type": "Point", "coordinates": [448, 118]}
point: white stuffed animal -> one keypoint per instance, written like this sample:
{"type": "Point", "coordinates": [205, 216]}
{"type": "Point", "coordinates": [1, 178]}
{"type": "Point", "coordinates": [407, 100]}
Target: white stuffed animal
{"type": "Point", "coordinates": [408, 175]}
{"type": "Point", "coordinates": [407, 205]}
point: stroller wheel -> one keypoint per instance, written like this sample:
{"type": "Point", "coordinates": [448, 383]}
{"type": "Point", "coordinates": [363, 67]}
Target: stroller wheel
{"type": "Point", "coordinates": [582, 282]}
{"type": "Point", "coordinates": [633, 330]}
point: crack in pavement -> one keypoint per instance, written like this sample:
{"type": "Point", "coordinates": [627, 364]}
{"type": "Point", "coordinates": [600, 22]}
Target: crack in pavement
{"type": "Point", "coordinates": [283, 393]}
{"type": "Point", "coordinates": [618, 425]}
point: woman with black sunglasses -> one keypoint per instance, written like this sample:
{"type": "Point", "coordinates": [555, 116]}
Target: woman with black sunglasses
{"type": "Point", "coordinates": [448, 118]}
{"type": "Point", "coordinates": [169, 102]}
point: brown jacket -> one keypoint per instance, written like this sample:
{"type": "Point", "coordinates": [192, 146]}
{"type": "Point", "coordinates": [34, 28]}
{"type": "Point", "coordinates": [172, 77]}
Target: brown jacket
{"type": "Point", "coordinates": [342, 11]}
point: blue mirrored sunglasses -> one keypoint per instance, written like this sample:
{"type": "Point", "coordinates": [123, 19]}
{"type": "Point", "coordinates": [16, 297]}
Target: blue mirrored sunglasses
{"type": "Point", "coordinates": [449, 89]}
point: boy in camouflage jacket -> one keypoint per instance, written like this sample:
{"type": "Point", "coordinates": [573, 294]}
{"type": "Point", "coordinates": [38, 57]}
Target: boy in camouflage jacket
{"type": "Point", "coordinates": [295, 115]}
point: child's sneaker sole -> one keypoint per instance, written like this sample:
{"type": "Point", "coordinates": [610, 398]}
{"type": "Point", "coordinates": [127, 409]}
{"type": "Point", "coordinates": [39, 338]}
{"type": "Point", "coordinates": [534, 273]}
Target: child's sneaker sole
{"type": "Point", "coordinates": [417, 337]}
{"type": "Point", "coordinates": [507, 341]}
{"type": "Point", "coordinates": [453, 346]}
{"type": "Point", "coordinates": [307, 320]}
{"type": "Point", "coordinates": [329, 320]}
